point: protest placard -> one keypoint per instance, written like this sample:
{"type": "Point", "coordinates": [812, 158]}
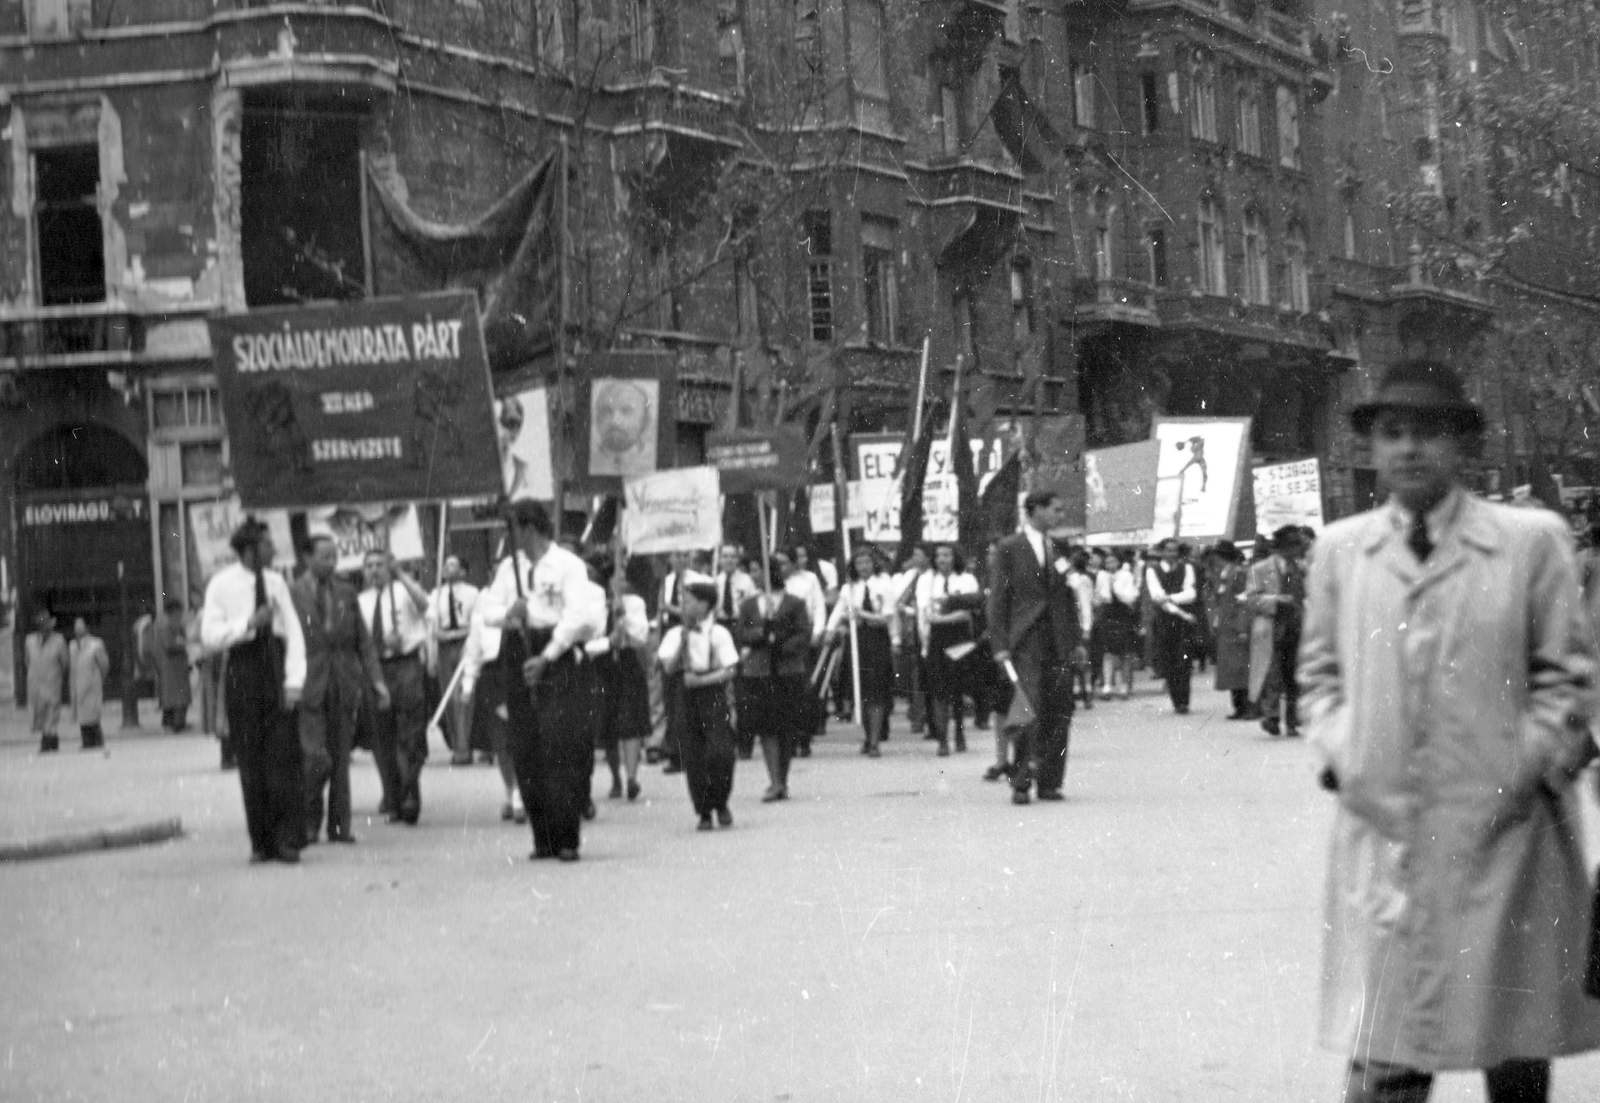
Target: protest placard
{"type": "Point", "coordinates": [1199, 473]}
{"type": "Point", "coordinates": [212, 525]}
{"type": "Point", "coordinates": [1288, 494]}
{"type": "Point", "coordinates": [679, 509]}
{"type": "Point", "coordinates": [824, 516]}
{"type": "Point", "coordinates": [380, 400]}
{"type": "Point", "coordinates": [357, 530]}
{"type": "Point", "coordinates": [758, 459]}
{"type": "Point", "coordinates": [1120, 492]}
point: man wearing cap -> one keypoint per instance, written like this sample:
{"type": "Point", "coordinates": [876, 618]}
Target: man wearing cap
{"type": "Point", "coordinates": [1447, 675]}
{"type": "Point", "coordinates": [543, 600]}
{"type": "Point", "coordinates": [250, 614]}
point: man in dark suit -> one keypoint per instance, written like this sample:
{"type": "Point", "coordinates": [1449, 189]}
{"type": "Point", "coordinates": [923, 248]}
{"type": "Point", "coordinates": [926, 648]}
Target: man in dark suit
{"type": "Point", "coordinates": [1034, 626]}
{"type": "Point", "coordinates": [341, 662]}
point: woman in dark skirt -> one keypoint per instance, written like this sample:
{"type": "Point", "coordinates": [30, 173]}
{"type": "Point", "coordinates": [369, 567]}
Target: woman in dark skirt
{"type": "Point", "coordinates": [624, 712]}
{"type": "Point", "coordinates": [1116, 622]}
{"type": "Point", "coordinates": [704, 652]}
{"type": "Point", "coordinates": [870, 596]}
{"type": "Point", "coordinates": [947, 599]}
{"type": "Point", "coordinates": [773, 634]}
{"type": "Point", "coordinates": [1230, 626]}
{"type": "Point", "coordinates": [1173, 594]}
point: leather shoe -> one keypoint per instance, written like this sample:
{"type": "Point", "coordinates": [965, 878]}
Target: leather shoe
{"type": "Point", "coordinates": [1019, 796]}
{"type": "Point", "coordinates": [873, 752]}
{"type": "Point", "coordinates": [705, 824]}
{"type": "Point", "coordinates": [995, 773]}
{"type": "Point", "coordinates": [770, 795]}
{"type": "Point", "coordinates": [1051, 794]}
{"type": "Point", "coordinates": [1270, 726]}
{"type": "Point", "coordinates": [944, 750]}
{"type": "Point", "coordinates": [589, 811]}
{"type": "Point", "coordinates": [540, 855]}
{"type": "Point", "coordinates": [506, 812]}
{"type": "Point", "coordinates": [288, 857]}
{"type": "Point", "coordinates": [633, 790]}
{"type": "Point", "coordinates": [566, 854]}
{"type": "Point", "coordinates": [616, 789]}
{"type": "Point", "coordinates": [724, 817]}
{"type": "Point", "coordinates": [346, 839]}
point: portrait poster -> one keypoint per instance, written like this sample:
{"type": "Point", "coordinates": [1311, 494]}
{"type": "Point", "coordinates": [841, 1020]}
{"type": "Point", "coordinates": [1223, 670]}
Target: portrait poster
{"type": "Point", "coordinates": [357, 530]}
{"type": "Point", "coordinates": [1288, 494]}
{"type": "Point", "coordinates": [679, 509]}
{"type": "Point", "coordinates": [1200, 468]}
{"type": "Point", "coordinates": [626, 419]}
{"type": "Point", "coordinates": [1120, 493]}
{"type": "Point", "coordinates": [212, 525]}
{"type": "Point", "coordinates": [522, 423]}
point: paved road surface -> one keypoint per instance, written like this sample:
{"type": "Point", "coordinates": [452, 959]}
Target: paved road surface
{"type": "Point", "coordinates": [898, 932]}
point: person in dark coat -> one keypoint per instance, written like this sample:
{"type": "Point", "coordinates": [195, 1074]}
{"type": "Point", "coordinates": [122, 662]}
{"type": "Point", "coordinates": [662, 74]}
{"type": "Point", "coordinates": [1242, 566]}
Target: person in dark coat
{"type": "Point", "coordinates": [1230, 626]}
{"type": "Point", "coordinates": [773, 634]}
{"type": "Point", "coordinates": [341, 666]}
{"type": "Point", "coordinates": [172, 664]}
{"type": "Point", "coordinates": [1174, 597]}
{"type": "Point", "coordinates": [704, 653]}
{"type": "Point", "coordinates": [1035, 629]}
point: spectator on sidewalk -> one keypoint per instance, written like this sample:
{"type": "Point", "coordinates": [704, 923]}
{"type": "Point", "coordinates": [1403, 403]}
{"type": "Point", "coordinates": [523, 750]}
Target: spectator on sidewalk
{"type": "Point", "coordinates": [172, 666]}
{"type": "Point", "coordinates": [1276, 597]}
{"type": "Point", "coordinates": [47, 673]}
{"type": "Point", "coordinates": [1448, 679]}
{"type": "Point", "coordinates": [88, 666]}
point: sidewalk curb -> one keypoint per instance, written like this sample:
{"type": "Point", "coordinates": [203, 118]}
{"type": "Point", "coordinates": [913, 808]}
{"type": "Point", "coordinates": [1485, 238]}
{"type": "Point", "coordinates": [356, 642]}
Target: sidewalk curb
{"type": "Point", "coordinates": [58, 846]}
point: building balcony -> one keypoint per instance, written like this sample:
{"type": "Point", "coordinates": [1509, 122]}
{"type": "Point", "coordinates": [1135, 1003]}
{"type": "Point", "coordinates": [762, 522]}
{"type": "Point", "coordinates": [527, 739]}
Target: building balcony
{"type": "Point", "coordinates": [98, 335]}
{"type": "Point", "coordinates": [1251, 21]}
{"type": "Point", "coordinates": [1108, 300]}
{"type": "Point", "coordinates": [958, 180]}
{"type": "Point", "coordinates": [1229, 317]}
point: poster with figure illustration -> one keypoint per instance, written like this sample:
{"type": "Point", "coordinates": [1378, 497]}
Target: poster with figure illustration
{"type": "Point", "coordinates": [1200, 468]}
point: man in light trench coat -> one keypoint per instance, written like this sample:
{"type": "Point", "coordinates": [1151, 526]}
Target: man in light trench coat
{"type": "Point", "coordinates": [1447, 679]}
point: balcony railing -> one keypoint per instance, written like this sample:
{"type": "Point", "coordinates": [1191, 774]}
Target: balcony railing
{"type": "Point", "coordinates": [67, 336]}
{"type": "Point", "coordinates": [1126, 299]}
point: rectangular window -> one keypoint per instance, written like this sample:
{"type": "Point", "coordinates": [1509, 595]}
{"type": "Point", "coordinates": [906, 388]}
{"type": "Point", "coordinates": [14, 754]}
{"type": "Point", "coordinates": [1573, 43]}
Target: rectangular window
{"type": "Point", "coordinates": [642, 34]}
{"type": "Point", "coordinates": [300, 204]}
{"type": "Point", "coordinates": [730, 49]}
{"type": "Point", "coordinates": [950, 127]}
{"type": "Point", "coordinates": [1083, 79]}
{"type": "Point", "coordinates": [1288, 127]}
{"type": "Point", "coordinates": [201, 462]}
{"type": "Point", "coordinates": [1202, 101]}
{"type": "Point", "coordinates": [1150, 99]}
{"type": "Point", "coordinates": [1249, 135]}
{"type": "Point", "coordinates": [1256, 288]}
{"type": "Point", "coordinates": [1156, 247]}
{"type": "Point", "coordinates": [1298, 280]}
{"type": "Point", "coordinates": [880, 280]}
{"type": "Point", "coordinates": [866, 48]}
{"type": "Point", "coordinates": [1212, 264]}
{"type": "Point", "coordinates": [550, 37]}
{"type": "Point", "coordinates": [1349, 235]}
{"type": "Point", "coordinates": [66, 211]}
{"type": "Point", "coordinates": [1021, 303]}
{"type": "Point", "coordinates": [185, 408]}
{"type": "Point", "coordinates": [818, 228]}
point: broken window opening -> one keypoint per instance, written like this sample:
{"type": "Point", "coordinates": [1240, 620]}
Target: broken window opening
{"type": "Point", "coordinates": [72, 257]}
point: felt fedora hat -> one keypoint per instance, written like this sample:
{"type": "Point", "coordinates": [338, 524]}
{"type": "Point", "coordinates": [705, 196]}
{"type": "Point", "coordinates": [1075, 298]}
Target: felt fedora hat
{"type": "Point", "coordinates": [1424, 387]}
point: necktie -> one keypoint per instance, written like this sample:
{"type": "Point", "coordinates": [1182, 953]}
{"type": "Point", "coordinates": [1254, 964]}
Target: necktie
{"type": "Point", "coordinates": [377, 620]}
{"type": "Point", "coordinates": [727, 596]}
{"type": "Point", "coordinates": [455, 621]}
{"type": "Point", "coordinates": [261, 595]}
{"type": "Point", "coordinates": [1417, 539]}
{"type": "Point", "coordinates": [672, 591]}
{"type": "Point", "coordinates": [866, 595]}
{"type": "Point", "coordinates": [327, 606]}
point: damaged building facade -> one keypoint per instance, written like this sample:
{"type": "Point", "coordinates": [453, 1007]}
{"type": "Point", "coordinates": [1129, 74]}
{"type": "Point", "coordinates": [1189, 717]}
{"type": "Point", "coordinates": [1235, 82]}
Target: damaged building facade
{"type": "Point", "coordinates": [1117, 209]}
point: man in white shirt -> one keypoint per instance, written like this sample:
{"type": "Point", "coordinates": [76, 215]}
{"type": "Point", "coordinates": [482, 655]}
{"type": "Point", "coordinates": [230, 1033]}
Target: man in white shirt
{"type": "Point", "coordinates": [395, 609]}
{"type": "Point", "coordinates": [250, 614]}
{"type": "Point", "coordinates": [669, 614]}
{"type": "Point", "coordinates": [543, 600]}
{"type": "Point", "coordinates": [450, 612]}
{"type": "Point", "coordinates": [734, 584]}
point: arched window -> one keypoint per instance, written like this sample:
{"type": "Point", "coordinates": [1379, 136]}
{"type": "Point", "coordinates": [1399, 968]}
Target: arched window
{"type": "Point", "coordinates": [1249, 122]}
{"type": "Point", "coordinates": [1211, 260]}
{"type": "Point", "coordinates": [1296, 279]}
{"type": "Point", "coordinates": [1256, 281]}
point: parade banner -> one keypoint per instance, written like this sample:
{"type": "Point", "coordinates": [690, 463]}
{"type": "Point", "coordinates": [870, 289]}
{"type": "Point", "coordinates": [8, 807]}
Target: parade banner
{"type": "Point", "coordinates": [626, 418]}
{"type": "Point", "coordinates": [212, 525]}
{"type": "Point", "coordinates": [1288, 494]}
{"type": "Point", "coordinates": [1120, 493]}
{"type": "Point", "coordinates": [522, 426]}
{"type": "Point", "coordinates": [758, 459]}
{"type": "Point", "coordinates": [1200, 469]}
{"type": "Point", "coordinates": [876, 455]}
{"type": "Point", "coordinates": [357, 530]}
{"type": "Point", "coordinates": [824, 514]}
{"type": "Point", "coordinates": [357, 402]}
{"type": "Point", "coordinates": [679, 509]}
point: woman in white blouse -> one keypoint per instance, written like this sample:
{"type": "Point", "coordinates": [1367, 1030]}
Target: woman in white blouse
{"type": "Point", "coordinates": [947, 600]}
{"type": "Point", "coordinates": [870, 596]}
{"type": "Point", "coordinates": [704, 652]}
{"type": "Point", "coordinates": [1116, 622]}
